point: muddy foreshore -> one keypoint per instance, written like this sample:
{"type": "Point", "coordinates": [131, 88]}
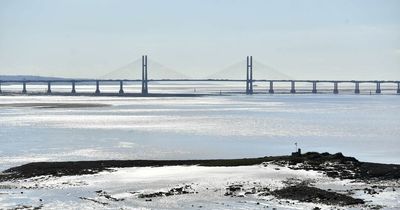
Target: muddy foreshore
{"type": "Point", "coordinates": [333, 165]}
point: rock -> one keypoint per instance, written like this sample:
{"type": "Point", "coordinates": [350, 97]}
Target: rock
{"type": "Point", "coordinates": [335, 165]}
{"type": "Point", "coordinates": [187, 189]}
{"type": "Point", "coordinates": [107, 196]}
{"type": "Point", "coordinates": [311, 194]}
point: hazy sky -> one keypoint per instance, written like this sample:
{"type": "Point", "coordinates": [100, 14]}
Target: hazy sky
{"type": "Point", "coordinates": [316, 39]}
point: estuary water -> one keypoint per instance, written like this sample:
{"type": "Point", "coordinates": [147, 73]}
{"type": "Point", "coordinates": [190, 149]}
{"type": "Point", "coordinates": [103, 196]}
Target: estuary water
{"type": "Point", "coordinates": [364, 126]}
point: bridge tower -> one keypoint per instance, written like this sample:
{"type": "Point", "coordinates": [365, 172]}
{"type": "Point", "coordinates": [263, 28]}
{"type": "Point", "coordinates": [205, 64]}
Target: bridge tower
{"type": "Point", "coordinates": [249, 75]}
{"type": "Point", "coordinates": [145, 89]}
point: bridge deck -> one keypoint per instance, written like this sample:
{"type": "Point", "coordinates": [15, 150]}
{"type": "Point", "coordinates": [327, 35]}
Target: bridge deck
{"type": "Point", "coordinates": [195, 80]}
{"type": "Point", "coordinates": [144, 92]}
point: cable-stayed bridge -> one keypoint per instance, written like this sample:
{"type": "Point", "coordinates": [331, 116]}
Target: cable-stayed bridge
{"type": "Point", "coordinates": [244, 72]}
{"type": "Point", "coordinates": [237, 71]}
{"type": "Point", "coordinates": [131, 71]}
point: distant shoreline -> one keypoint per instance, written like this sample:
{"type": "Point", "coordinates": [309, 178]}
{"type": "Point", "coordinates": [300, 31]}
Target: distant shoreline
{"type": "Point", "coordinates": [107, 94]}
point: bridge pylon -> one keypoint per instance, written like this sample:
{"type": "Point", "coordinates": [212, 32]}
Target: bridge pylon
{"type": "Point", "coordinates": [145, 89]}
{"type": "Point", "coordinates": [249, 75]}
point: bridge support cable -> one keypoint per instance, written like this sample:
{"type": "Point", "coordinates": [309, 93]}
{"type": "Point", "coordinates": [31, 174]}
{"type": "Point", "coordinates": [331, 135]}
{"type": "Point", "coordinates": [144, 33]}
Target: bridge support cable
{"type": "Point", "coordinates": [249, 75]}
{"type": "Point", "coordinates": [145, 89]}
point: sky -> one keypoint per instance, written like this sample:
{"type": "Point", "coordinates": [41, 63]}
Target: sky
{"type": "Point", "coordinates": [305, 39]}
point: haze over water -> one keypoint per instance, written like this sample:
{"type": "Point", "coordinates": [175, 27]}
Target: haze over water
{"type": "Point", "coordinates": [363, 126]}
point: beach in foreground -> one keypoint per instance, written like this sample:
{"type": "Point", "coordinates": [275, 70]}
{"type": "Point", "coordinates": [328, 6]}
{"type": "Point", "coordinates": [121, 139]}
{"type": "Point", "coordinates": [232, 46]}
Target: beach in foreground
{"type": "Point", "coordinates": [307, 181]}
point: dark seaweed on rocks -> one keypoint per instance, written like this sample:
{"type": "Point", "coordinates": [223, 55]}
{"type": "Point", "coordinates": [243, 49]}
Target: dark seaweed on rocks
{"type": "Point", "coordinates": [314, 195]}
{"type": "Point", "coordinates": [334, 165]}
{"type": "Point", "coordinates": [340, 166]}
{"type": "Point", "coordinates": [187, 189]}
{"type": "Point", "coordinates": [301, 192]}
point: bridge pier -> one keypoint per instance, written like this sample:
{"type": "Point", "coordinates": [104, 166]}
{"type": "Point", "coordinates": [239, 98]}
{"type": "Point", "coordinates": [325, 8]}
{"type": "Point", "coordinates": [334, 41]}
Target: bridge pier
{"type": "Point", "coordinates": [145, 89]}
{"type": "Point", "coordinates": [357, 88]}
{"type": "Point", "coordinates": [97, 88]}
{"type": "Point", "coordinates": [314, 87]}
{"type": "Point", "coordinates": [48, 87]}
{"type": "Point", "coordinates": [398, 88]}
{"type": "Point", "coordinates": [73, 91]}
{"type": "Point", "coordinates": [24, 88]}
{"type": "Point", "coordinates": [293, 87]}
{"type": "Point", "coordinates": [335, 88]}
{"type": "Point", "coordinates": [249, 78]}
{"type": "Point", "coordinates": [271, 87]}
{"type": "Point", "coordinates": [121, 87]}
{"type": "Point", "coordinates": [378, 88]}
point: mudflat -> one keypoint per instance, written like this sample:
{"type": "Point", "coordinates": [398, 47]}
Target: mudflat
{"type": "Point", "coordinates": [310, 180]}
{"type": "Point", "coordinates": [333, 165]}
